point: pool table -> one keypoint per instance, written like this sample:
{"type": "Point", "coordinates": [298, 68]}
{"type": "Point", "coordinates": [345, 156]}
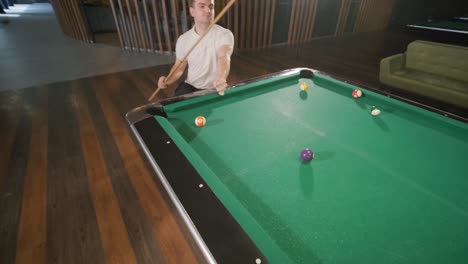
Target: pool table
{"type": "Point", "coordinates": [456, 26]}
{"type": "Point", "coordinates": [387, 188]}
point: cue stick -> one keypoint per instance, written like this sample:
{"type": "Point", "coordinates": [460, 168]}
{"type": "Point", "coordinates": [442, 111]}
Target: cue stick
{"type": "Point", "coordinates": [225, 9]}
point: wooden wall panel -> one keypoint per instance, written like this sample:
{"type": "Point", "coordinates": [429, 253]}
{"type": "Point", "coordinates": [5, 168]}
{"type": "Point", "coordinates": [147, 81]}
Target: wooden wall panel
{"type": "Point", "coordinates": [342, 17]}
{"type": "Point", "coordinates": [373, 15]}
{"type": "Point", "coordinates": [248, 33]}
{"type": "Point", "coordinates": [142, 34]}
{"type": "Point", "coordinates": [71, 18]}
{"type": "Point", "coordinates": [266, 21]}
{"type": "Point", "coordinates": [311, 22]}
{"type": "Point", "coordinates": [166, 27]}
{"type": "Point", "coordinates": [301, 23]}
{"type": "Point", "coordinates": [148, 25]}
{"type": "Point", "coordinates": [272, 17]}
{"type": "Point", "coordinates": [116, 21]}
{"type": "Point", "coordinates": [122, 24]}
{"type": "Point", "coordinates": [155, 25]}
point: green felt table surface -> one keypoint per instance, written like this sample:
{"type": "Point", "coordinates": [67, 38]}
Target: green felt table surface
{"type": "Point", "coordinates": [391, 188]}
{"type": "Point", "coordinates": [447, 24]}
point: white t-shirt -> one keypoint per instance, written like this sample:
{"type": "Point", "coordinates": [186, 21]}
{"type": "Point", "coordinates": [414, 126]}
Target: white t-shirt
{"type": "Point", "coordinates": [202, 61]}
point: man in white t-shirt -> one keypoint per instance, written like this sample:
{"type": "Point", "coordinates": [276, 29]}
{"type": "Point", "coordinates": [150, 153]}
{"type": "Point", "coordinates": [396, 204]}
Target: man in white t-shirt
{"type": "Point", "coordinates": [210, 61]}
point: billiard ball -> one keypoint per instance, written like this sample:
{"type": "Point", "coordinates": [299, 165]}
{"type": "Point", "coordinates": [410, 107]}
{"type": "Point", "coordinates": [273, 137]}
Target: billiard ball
{"type": "Point", "coordinates": [307, 154]}
{"type": "Point", "coordinates": [200, 121]}
{"type": "Point", "coordinates": [304, 86]}
{"type": "Point", "coordinates": [356, 93]}
{"type": "Point", "coordinates": [375, 111]}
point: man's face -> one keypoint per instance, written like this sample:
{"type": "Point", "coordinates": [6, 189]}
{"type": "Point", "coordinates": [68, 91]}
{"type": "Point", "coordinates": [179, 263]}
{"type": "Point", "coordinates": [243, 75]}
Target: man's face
{"type": "Point", "coordinates": [202, 11]}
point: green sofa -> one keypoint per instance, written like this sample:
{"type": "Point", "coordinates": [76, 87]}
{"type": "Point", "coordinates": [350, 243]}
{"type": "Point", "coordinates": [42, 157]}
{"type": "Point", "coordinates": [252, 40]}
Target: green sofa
{"type": "Point", "coordinates": [431, 69]}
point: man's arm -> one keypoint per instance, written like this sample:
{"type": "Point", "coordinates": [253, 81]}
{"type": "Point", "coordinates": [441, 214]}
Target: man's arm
{"type": "Point", "coordinates": [223, 55]}
{"type": "Point", "coordinates": [163, 82]}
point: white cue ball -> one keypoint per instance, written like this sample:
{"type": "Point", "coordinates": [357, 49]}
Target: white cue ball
{"type": "Point", "coordinates": [375, 112]}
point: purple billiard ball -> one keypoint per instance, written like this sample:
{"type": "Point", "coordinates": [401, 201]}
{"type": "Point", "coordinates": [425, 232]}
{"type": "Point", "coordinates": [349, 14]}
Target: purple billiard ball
{"type": "Point", "coordinates": [307, 155]}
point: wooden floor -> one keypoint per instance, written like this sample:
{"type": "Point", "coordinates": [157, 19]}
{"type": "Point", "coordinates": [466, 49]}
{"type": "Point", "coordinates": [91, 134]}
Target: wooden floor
{"type": "Point", "coordinates": [74, 184]}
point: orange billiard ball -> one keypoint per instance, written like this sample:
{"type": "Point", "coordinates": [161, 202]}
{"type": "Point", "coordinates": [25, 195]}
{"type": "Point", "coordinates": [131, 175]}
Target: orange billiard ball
{"type": "Point", "coordinates": [200, 121]}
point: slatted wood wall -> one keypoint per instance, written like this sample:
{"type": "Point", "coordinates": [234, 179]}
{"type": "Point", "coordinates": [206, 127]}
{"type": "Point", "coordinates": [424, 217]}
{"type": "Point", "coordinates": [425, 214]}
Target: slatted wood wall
{"type": "Point", "coordinates": [251, 22]}
{"type": "Point", "coordinates": [343, 17]}
{"type": "Point", "coordinates": [71, 18]}
{"type": "Point", "coordinates": [150, 25]}
{"type": "Point", "coordinates": [155, 25]}
{"type": "Point", "coordinates": [301, 24]}
{"type": "Point", "coordinates": [373, 15]}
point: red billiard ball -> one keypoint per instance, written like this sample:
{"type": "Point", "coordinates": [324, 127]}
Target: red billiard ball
{"type": "Point", "coordinates": [356, 93]}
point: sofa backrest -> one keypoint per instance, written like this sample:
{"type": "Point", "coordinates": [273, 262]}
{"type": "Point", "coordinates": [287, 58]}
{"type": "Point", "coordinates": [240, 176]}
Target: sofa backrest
{"type": "Point", "coordinates": [442, 59]}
